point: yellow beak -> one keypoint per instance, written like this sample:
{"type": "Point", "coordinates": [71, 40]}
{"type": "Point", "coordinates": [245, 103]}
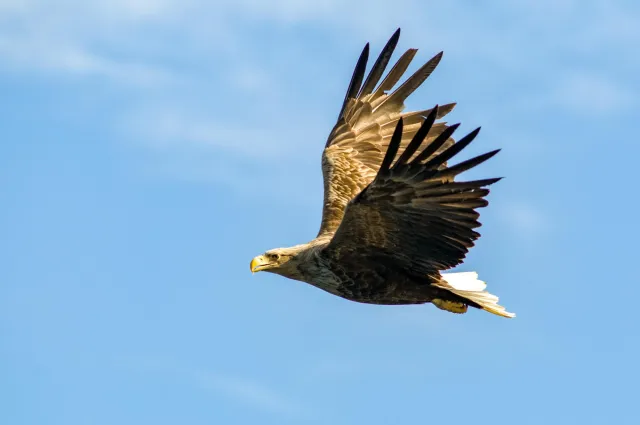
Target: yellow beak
{"type": "Point", "coordinates": [258, 263]}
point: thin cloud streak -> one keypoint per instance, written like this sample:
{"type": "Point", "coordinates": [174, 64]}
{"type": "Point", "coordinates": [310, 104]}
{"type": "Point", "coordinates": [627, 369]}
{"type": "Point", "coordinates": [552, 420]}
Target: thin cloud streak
{"type": "Point", "coordinates": [593, 95]}
{"type": "Point", "coordinates": [248, 392]}
{"type": "Point", "coordinates": [524, 219]}
{"type": "Point", "coordinates": [251, 393]}
{"type": "Point", "coordinates": [36, 38]}
{"type": "Point", "coordinates": [73, 60]}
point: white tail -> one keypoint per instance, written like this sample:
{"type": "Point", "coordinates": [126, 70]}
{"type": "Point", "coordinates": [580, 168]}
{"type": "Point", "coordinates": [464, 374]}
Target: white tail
{"type": "Point", "coordinates": [468, 286]}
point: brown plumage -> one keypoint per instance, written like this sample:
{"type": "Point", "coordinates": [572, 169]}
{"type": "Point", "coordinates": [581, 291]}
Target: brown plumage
{"type": "Point", "coordinates": [393, 216]}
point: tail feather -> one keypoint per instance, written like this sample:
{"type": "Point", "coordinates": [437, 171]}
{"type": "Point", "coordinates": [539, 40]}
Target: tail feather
{"type": "Point", "coordinates": [468, 286]}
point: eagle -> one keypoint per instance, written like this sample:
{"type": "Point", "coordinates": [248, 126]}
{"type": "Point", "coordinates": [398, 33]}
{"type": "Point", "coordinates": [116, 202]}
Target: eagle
{"type": "Point", "coordinates": [394, 216]}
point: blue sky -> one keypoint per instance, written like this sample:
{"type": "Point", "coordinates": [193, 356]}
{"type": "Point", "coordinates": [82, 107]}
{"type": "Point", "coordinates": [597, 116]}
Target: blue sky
{"type": "Point", "coordinates": [150, 149]}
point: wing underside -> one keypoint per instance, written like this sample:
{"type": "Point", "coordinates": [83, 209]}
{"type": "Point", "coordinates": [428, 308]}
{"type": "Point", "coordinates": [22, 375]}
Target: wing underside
{"type": "Point", "coordinates": [413, 213]}
{"type": "Point", "coordinates": [367, 120]}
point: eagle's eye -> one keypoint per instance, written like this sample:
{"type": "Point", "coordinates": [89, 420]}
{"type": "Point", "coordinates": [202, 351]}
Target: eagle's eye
{"type": "Point", "coordinates": [274, 257]}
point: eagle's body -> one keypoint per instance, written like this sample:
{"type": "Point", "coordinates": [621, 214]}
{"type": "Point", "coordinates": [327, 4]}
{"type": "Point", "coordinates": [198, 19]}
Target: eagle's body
{"type": "Point", "coordinates": [393, 216]}
{"type": "Point", "coordinates": [383, 284]}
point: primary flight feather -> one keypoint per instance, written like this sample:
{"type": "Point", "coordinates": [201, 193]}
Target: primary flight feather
{"type": "Point", "coordinates": [394, 218]}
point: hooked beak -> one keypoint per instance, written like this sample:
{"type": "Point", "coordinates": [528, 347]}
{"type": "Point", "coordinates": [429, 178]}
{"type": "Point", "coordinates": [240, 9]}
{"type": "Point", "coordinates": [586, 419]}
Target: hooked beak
{"type": "Point", "coordinates": [258, 263]}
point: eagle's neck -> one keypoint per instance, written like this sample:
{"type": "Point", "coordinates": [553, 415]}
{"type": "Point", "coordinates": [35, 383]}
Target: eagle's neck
{"type": "Point", "coordinates": [304, 258]}
{"type": "Point", "coordinates": [309, 266]}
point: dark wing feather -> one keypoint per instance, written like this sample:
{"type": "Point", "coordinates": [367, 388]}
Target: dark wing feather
{"type": "Point", "coordinates": [413, 213]}
{"type": "Point", "coordinates": [356, 78]}
{"type": "Point", "coordinates": [380, 65]}
{"type": "Point", "coordinates": [367, 120]}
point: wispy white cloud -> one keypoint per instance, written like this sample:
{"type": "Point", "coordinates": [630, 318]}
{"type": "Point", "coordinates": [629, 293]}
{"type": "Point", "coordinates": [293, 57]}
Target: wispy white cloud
{"type": "Point", "coordinates": [212, 25]}
{"type": "Point", "coordinates": [580, 93]}
{"type": "Point", "coordinates": [588, 94]}
{"type": "Point", "coordinates": [123, 41]}
{"type": "Point", "coordinates": [250, 78]}
{"type": "Point", "coordinates": [74, 60]}
{"type": "Point", "coordinates": [246, 391]}
{"type": "Point", "coordinates": [238, 154]}
{"type": "Point", "coordinates": [251, 393]}
{"type": "Point", "coordinates": [524, 219]}
{"type": "Point", "coordinates": [172, 127]}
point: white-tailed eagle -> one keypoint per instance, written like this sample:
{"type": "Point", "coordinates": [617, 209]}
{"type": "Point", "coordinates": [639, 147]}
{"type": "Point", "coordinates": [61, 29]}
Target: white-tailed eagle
{"type": "Point", "coordinates": [394, 218]}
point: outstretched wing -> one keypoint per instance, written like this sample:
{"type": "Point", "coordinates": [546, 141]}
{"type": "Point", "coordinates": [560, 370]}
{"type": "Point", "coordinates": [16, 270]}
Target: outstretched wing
{"type": "Point", "coordinates": [413, 215]}
{"type": "Point", "coordinates": [357, 143]}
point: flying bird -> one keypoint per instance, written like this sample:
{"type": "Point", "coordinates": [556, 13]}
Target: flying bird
{"type": "Point", "coordinates": [394, 217]}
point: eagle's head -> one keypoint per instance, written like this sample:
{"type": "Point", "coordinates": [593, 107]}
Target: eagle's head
{"type": "Point", "coordinates": [282, 261]}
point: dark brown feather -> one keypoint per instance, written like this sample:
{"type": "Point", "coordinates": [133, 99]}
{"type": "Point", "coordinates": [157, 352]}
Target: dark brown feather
{"type": "Point", "coordinates": [362, 134]}
{"type": "Point", "coordinates": [409, 214]}
{"type": "Point", "coordinates": [380, 65]}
